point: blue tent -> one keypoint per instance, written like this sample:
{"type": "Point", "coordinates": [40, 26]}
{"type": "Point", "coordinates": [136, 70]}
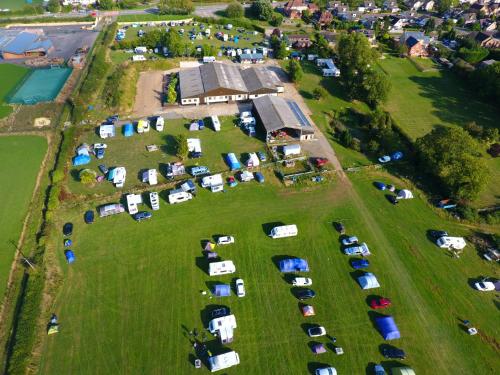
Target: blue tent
{"type": "Point", "coordinates": [70, 256]}
{"type": "Point", "coordinates": [397, 155]}
{"type": "Point", "coordinates": [232, 161]}
{"type": "Point", "coordinates": [201, 125]}
{"type": "Point", "coordinates": [128, 130]}
{"type": "Point", "coordinates": [222, 290]}
{"type": "Point", "coordinates": [294, 265]}
{"type": "Point", "coordinates": [81, 160]}
{"type": "Point", "coordinates": [379, 185]}
{"type": "Point", "coordinates": [387, 327]}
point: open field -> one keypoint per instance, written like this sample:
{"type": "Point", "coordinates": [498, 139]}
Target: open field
{"type": "Point", "coordinates": [21, 158]}
{"type": "Point", "coordinates": [16, 4]}
{"type": "Point", "coordinates": [11, 75]}
{"type": "Point", "coordinates": [129, 301]}
{"type": "Point", "coordinates": [420, 100]}
{"type": "Point", "coordinates": [131, 152]}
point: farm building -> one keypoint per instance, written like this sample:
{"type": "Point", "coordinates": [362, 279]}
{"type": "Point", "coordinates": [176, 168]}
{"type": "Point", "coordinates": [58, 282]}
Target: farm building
{"type": "Point", "coordinates": [279, 116]}
{"type": "Point", "coordinates": [25, 44]}
{"type": "Point", "coordinates": [218, 82]}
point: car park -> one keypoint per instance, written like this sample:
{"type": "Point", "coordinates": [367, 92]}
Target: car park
{"type": "Point", "coordinates": [88, 217]}
{"type": "Point", "coordinates": [391, 352]}
{"type": "Point", "coordinates": [225, 240]}
{"type": "Point", "coordinates": [316, 331]}
{"type": "Point", "coordinates": [240, 288]}
{"type": "Point", "coordinates": [142, 215]}
{"type": "Point", "coordinates": [302, 281]}
{"type": "Point", "coordinates": [326, 371]}
{"type": "Point", "coordinates": [349, 241]}
{"type": "Point", "coordinates": [68, 229]}
{"type": "Point", "coordinates": [380, 303]}
{"type": "Point", "coordinates": [304, 294]}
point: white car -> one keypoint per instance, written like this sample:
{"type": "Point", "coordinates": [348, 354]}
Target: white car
{"type": "Point", "coordinates": [384, 159]}
{"type": "Point", "coordinates": [225, 240]}
{"type": "Point", "coordinates": [326, 371]}
{"type": "Point", "coordinates": [240, 288]}
{"type": "Point", "coordinates": [100, 145]}
{"type": "Point", "coordinates": [485, 286]}
{"type": "Point", "coordinates": [302, 281]}
{"type": "Point", "coordinates": [316, 331]}
{"type": "Point", "coordinates": [350, 241]}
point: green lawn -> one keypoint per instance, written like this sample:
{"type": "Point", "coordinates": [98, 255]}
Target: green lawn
{"type": "Point", "coordinates": [131, 152]}
{"type": "Point", "coordinates": [16, 4]}
{"type": "Point", "coordinates": [421, 100]}
{"type": "Point", "coordinates": [134, 292]}
{"type": "Point", "coordinates": [21, 157]}
{"type": "Point", "coordinates": [11, 76]}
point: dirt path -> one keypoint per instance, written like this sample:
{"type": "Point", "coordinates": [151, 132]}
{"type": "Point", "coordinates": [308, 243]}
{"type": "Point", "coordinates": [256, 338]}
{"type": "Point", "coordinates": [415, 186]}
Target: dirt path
{"type": "Point", "coordinates": [148, 98]}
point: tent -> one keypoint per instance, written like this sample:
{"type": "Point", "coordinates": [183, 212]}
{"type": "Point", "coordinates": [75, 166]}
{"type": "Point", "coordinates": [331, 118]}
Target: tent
{"type": "Point", "coordinates": [222, 290]}
{"type": "Point", "coordinates": [81, 160]}
{"type": "Point", "coordinates": [209, 246]}
{"type": "Point", "coordinates": [67, 242]}
{"type": "Point", "coordinates": [193, 127]}
{"type": "Point", "coordinates": [318, 349]}
{"type": "Point", "coordinates": [308, 310]}
{"type": "Point", "coordinates": [387, 327]}
{"type": "Point", "coordinates": [83, 149]}
{"type": "Point", "coordinates": [405, 194]}
{"type": "Point", "coordinates": [294, 265]}
{"type": "Point", "coordinates": [368, 281]}
{"type": "Point", "coordinates": [70, 256]}
{"type": "Point", "coordinates": [232, 161]}
{"type": "Point", "coordinates": [128, 130]}
{"type": "Point", "coordinates": [402, 371]}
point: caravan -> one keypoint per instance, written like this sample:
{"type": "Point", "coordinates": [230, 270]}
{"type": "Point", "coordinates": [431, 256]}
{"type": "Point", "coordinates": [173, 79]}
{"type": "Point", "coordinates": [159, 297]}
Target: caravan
{"type": "Point", "coordinates": [223, 361]}
{"type": "Point", "coordinates": [132, 201]}
{"type": "Point", "coordinates": [160, 122]}
{"type": "Point", "coordinates": [214, 182]}
{"type": "Point", "coordinates": [154, 200]}
{"type": "Point", "coordinates": [457, 243]}
{"type": "Point", "coordinates": [221, 268]}
{"type": "Point", "coordinates": [224, 328]}
{"type": "Point", "coordinates": [284, 231]}
{"type": "Point", "coordinates": [179, 196]}
{"type": "Point", "coordinates": [215, 123]}
{"type": "Point", "coordinates": [150, 176]}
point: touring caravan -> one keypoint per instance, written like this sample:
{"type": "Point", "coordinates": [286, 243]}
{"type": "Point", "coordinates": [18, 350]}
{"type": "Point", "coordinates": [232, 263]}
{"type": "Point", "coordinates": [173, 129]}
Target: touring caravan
{"type": "Point", "coordinates": [214, 182]}
{"type": "Point", "coordinates": [111, 209]}
{"type": "Point", "coordinates": [132, 201]}
{"type": "Point", "coordinates": [224, 328]}
{"type": "Point", "coordinates": [215, 123]}
{"type": "Point", "coordinates": [223, 361]}
{"type": "Point", "coordinates": [457, 243]}
{"type": "Point", "coordinates": [179, 196]}
{"type": "Point", "coordinates": [221, 268]}
{"type": "Point", "coordinates": [284, 231]}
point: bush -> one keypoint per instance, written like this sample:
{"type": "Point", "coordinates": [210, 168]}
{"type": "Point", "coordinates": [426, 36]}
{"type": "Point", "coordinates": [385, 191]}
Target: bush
{"type": "Point", "coordinates": [372, 146]}
{"type": "Point", "coordinates": [181, 146]}
{"type": "Point", "coordinates": [473, 55]}
{"type": "Point", "coordinates": [319, 93]}
{"type": "Point", "coordinates": [87, 176]}
{"type": "Point", "coordinates": [234, 10]}
{"type": "Point", "coordinates": [295, 71]}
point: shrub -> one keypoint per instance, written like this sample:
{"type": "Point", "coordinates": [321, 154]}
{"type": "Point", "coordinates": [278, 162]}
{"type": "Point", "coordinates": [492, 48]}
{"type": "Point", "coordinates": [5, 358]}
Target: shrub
{"type": "Point", "coordinates": [319, 93]}
{"type": "Point", "coordinates": [234, 10]}
{"type": "Point", "coordinates": [181, 146]}
{"type": "Point", "coordinates": [87, 176]}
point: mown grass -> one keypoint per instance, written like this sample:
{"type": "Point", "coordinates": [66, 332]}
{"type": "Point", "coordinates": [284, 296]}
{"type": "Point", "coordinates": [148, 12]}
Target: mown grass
{"type": "Point", "coordinates": [151, 17]}
{"type": "Point", "coordinates": [11, 76]}
{"type": "Point", "coordinates": [21, 157]}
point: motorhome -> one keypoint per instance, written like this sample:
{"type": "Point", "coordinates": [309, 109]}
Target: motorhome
{"type": "Point", "coordinates": [284, 231]}
{"type": "Point", "coordinates": [221, 268]}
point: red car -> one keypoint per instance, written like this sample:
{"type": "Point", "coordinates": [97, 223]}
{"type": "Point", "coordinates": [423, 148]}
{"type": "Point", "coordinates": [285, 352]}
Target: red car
{"type": "Point", "coordinates": [319, 162]}
{"type": "Point", "coordinates": [380, 303]}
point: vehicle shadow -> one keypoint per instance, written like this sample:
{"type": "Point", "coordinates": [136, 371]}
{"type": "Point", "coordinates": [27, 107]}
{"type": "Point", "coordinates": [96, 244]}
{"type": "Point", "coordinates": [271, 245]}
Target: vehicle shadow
{"type": "Point", "coordinates": [266, 227]}
{"type": "Point", "coordinates": [313, 366]}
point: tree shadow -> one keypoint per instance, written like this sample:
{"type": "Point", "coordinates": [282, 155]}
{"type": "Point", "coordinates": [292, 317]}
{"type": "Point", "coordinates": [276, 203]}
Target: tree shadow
{"type": "Point", "coordinates": [370, 368]}
{"type": "Point", "coordinates": [355, 275]}
{"type": "Point", "coordinates": [266, 227]}
{"type": "Point", "coordinates": [75, 175]}
{"type": "Point", "coordinates": [170, 145]}
{"type": "Point", "coordinates": [305, 94]}
{"type": "Point", "coordinates": [371, 297]}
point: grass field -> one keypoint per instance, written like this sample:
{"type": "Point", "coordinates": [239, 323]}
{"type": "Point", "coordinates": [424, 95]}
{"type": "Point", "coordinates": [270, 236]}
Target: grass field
{"type": "Point", "coordinates": [21, 157]}
{"type": "Point", "coordinates": [133, 294]}
{"type": "Point", "coordinates": [16, 4]}
{"type": "Point", "coordinates": [11, 76]}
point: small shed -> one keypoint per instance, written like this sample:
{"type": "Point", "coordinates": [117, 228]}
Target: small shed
{"type": "Point", "coordinates": [405, 194]}
{"type": "Point", "coordinates": [128, 130]}
{"type": "Point", "coordinates": [222, 290]}
{"type": "Point", "coordinates": [70, 256]}
{"type": "Point", "coordinates": [387, 327]}
{"type": "Point", "coordinates": [368, 281]}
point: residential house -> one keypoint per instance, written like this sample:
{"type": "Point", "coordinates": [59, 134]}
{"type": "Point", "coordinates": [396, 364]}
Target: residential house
{"type": "Point", "coordinates": [428, 5]}
{"type": "Point", "coordinates": [391, 6]}
{"type": "Point", "coordinates": [487, 24]}
{"type": "Point", "coordinates": [299, 41]}
{"type": "Point", "coordinates": [416, 42]}
{"type": "Point", "coordinates": [486, 39]}
{"type": "Point", "coordinates": [414, 4]}
{"type": "Point", "coordinates": [325, 18]}
{"type": "Point", "coordinates": [312, 8]}
{"type": "Point", "coordinates": [294, 8]}
{"type": "Point", "coordinates": [370, 6]}
{"type": "Point", "coordinates": [350, 15]}
{"type": "Point", "coordinates": [469, 18]}
{"type": "Point", "coordinates": [397, 23]}
{"type": "Point", "coordinates": [330, 36]}
{"type": "Point", "coordinates": [480, 7]}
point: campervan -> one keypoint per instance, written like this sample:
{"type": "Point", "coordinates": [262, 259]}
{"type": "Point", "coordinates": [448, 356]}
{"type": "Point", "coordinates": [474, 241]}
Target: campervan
{"type": "Point", "coordinates": [457, 243]}
{"type": "Point", "coordinates": [223, 361]}
{"type": "Point", "coordinates": [179, 196]}
{"type": "Point", "coordinates": [284, 231]}
{"type": "Point", "coordinates": [221, 268]}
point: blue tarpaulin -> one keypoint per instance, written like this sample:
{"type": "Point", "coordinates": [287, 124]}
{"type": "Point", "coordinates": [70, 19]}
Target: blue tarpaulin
{"type": "Point", "coordinates": [222, 290]}
{"type": "Point", "coordinates": [128, 130]}
{"type": "Point", "coordinates": [387, 327]}
{"type": "Point", "coordinates": [294, 265]}
{"type": "Point", "coordinates": [70, 256]}
{"type": "Point", "coordinates": [232, 161]}
{"type": "Point", "coordinates": [81, 160]}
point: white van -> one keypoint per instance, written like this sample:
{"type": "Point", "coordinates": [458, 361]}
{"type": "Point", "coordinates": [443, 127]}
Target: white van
{"type": "Point", "coordinates": [457, 243]}
{"type": "Point", "coordinates": [223, 361]}
{"type": "Point", "coordinates": [284, 231]}
{"type": "Point", "coordinates": [177, 196]}
{"type": "Point", "coordinates": [221, 268]}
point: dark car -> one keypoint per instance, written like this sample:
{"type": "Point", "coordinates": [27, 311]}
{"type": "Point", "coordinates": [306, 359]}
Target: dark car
{"type": "Point", "coordinates": [103, 168]}
{"type": "Point", "coordinates": [195, 155]}
{"type": "Point", "coordinates": [142, 215]}
{"type": "Point", "coordinates": [68, 229]}
{"type": "Point", "coordinates": [220, 312]}
{"type": "Point", "coordinates": [99, 153]}
{"type": "Point", "coordinates": [435, 234]}
{"type": "Point", "coordinates": [392, 199]}
{"type": "Point", "coordinates": [305, 293]}
{"type": "Point", "coordinates": [393, 353]}
{"type": "Point", "coordinates": [358, 264]}
{"type": "Point", "coordinates": [113, 118]}
{"type": "Point", "coordinates": [339, 227]}
{"type": "Point", "coordinates": [88, 217]}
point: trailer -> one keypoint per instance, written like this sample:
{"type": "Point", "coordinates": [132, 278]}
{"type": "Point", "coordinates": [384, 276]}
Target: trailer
{"type": "Point", "coordinates": [457, 243]}
{"type": "Point", "coordinates": [175, 169]}
{"type": "Point", "coordinates": [290, 150]}
{"type": "Point", "coordinates": [179, 196]}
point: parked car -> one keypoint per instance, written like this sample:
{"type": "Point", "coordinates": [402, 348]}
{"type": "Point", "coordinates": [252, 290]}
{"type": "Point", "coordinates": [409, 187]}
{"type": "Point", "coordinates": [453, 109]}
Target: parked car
{"type": "Point", "coordinates": [379, 185]}
{"type": "Point", "coordinates": [261, 156]}
{"type": "Point", "coordinates": [358, 264]}
{"type": "Point", "coordinates": [304, 294]}
{"type": "Point", "coordinates": [316, 331]}
{"type": "Point", "coordinates": [68, 229]}
{"type": "Point", "coordinates": [142, 215]}
{"type": "Point", "coordinates": [392, 352]}
{"type": "Point", "coordinates": [259, 177]}
{"type": "Point", "coordinates": [339, 227]}
{"type": "Point", "coordinates": [195, 154]}
{"type": "Point", "coordinates": [220, 312]}
{"type": "Point", "coordinates": [240, 288]}
{"type": "Point", "coordinates": [435, 234]}
{"type": "Point", "coordinates": [380, 303]}
{"type": "Point", "coordinates": [88, 217]}
{"type": "Point", "coordinates": [384, 159]}
{"type": "Point", "coordinates": [99, 153]}
{"type": "Point", "coordinates": [302, 281]}
{"type": "Point", "coordinates": [103, 168]}
{"type": "Point", "coordinates": [326, 371]}
{"type": "Point", "coordinates": [484, 286]}
{"type": "Point", "coordinates": [225, 240]}
{"type": "Point", "coordinates": [492, 255]}
{"type": "Point", "coordinates": [98, 146]}
{"type": "Point", "coordinates": [392, 199]}
{"type": "Point", "coordinates": [349, 241]}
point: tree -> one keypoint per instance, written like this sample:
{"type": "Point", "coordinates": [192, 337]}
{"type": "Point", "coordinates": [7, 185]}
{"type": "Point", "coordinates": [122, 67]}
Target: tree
{"type": "Point", "coordinates": [306, 16]}
{"type": "Point", "coordinates": [376, 87]}
{"type": "Point", "coordinates": [54, 6]}
{"type": "Point", "coordinates": [276, 19]}
{"type": "Point", "coordinates": [319, 93]}
{"type": "Point", "coordinates": [295, 71]}
{"type": "Point", "coordinates": [279, 47]}
{"type": "Point", "coordinates": [320, 46]}
{"type": "Point", "coordinates": [106, 4]}
{"type": "Point", "coordinates": [87, 176]}
{"type": "Point", "coordinates": [175, 6]}
{"type": "Point", "coordinates": [449, 153]}
{"type": "Point", "coordinates": [234, 10]}
{"type": "Point", "coordinates": [262, 9]}
{"type": "Point", "coordinates": [444, 6]}
{"type": "Point", "coordinates": [181, 146]}
{"type": "Point", "coordinates": [473, 55]}
{"type": "Point", "coordinates": [430, 25]}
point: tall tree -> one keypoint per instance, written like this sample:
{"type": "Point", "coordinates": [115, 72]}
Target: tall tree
{"type": "Point", "coordinates": [262, 9]}
{"type": "Point", "coordinates": [376, 87]}
{"type": "Point", "coordinates": [294, 70]}
{"type": "Point", "coordinates": [175, 6]}
{"type": "Point", "coordinates": [234, 10]}
{"type": "Point", "coordinates": [54, 6]}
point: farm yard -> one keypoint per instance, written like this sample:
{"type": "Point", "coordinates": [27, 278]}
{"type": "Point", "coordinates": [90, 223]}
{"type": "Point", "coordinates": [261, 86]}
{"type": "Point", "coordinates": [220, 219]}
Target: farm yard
{"type": "Point", "coordinates": [11, 75]}
{"type": "Point", "coordinates": [21, 157]}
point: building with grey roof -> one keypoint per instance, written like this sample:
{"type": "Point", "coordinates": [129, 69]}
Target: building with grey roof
{"type": "Point", "coordinates": [277, 115]}
{"type": "Point", "coordinates": [27, 43]}
{"type": "Point", "coordinates": [218, 82]}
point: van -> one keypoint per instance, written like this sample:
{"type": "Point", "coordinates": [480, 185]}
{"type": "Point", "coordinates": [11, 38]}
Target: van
{"type": "Point", "coordinates": [223, 361]}
{"type": "Point", "coordinates": [199, 171]}
{"type": "Point", "coordinates": [457, 243]}
{"type": "Point", "coordinates": [221, 268]}
{"type": "Point", "coordinates": [284, 231]}
{"type": "Point", "coordinates": [179, 196]}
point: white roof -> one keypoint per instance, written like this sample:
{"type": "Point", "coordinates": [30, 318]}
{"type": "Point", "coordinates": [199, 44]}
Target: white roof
{"type": "Point", "coordinates": [213, 180]}
{"type": "Point", "coordinates": [405, 194]}
{"type": "Point", "coordinates": [194, 144]}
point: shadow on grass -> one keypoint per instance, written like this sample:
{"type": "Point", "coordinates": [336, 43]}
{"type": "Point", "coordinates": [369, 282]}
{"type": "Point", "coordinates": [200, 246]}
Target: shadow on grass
{"type": "Point", "coordinates": [306, 326]}
{"type": "Point", "coordinates": [374, 315]}
{"type": "Point", "coordinates": [205, 313]}
{"type": "Point", "coordinates": [266, 227]}
{"type": "Point", "coordinates": [170, 144]}
{"type": "Point", "coordinates": [75, 175]}
{"type": "Point", "coordinates": [356, 274]}
{"type": "Point", "coordinates": [305, 94]}
{"type": "Point", "coordinates": [313, 366]}
{"type": "Point", "coordinates": [202, 263]}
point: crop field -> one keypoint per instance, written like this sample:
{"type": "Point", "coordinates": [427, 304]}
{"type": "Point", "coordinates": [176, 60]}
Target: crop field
{"type": "Point", "coordinates": [131, 152]}
{"type": "Point", "coordinates": [134, 294]}
{"type": "Point", "coordinates": [21, 158]}
{"type": "Point", "coordinates": [11, 76]}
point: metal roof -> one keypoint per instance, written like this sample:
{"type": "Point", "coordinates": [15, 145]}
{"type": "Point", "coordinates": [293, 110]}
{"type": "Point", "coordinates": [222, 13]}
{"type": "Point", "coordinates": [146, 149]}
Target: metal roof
{"type": "Point", "coordinates": [258, 78]}
{"type": "Point", "coordinates": [190, 82]}
{"type": "Point", "coordinates": [275, 113]}
{"type": "Point", "coordinates": [26, 41]}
